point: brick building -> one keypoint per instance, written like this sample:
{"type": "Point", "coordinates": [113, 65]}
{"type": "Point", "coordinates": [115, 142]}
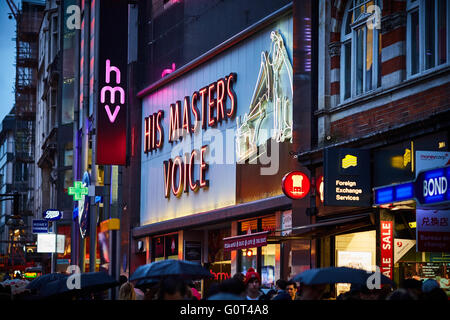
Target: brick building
{"type": "Point", "coordinates": [383, 87]}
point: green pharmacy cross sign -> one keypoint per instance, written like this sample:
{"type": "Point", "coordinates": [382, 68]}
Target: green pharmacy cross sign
{"type": "Point", "coordinates": [78, 191]}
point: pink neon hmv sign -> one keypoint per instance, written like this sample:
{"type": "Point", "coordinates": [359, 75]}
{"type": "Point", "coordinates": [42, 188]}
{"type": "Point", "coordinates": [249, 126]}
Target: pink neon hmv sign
{"type": "Point", "coordinates": [112, 108]}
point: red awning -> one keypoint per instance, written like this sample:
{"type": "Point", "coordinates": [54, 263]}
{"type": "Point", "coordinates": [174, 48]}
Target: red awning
{"type": "Point", "coordinates": [246, 241]}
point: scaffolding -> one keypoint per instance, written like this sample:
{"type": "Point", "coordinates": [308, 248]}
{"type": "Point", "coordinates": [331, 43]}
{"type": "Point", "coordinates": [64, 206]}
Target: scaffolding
{"type": "Point", "coordinates": [28, 21]}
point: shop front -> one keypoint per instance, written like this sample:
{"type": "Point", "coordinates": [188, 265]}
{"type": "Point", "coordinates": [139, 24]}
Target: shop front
{"type": "Point", "coordinates": [418, 207]}
{"type": "Point", "coordinates": [216, 137]}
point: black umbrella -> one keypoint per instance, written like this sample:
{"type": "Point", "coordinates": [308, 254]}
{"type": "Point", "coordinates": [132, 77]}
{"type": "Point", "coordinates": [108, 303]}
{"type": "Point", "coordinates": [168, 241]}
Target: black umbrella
{"type": "Point", "coordinates": [88, 283]}
{"type": "Point", "coordinates": [337, 275]}
{"type": "Point", "coordinates": [171, 268]}
{"type": "Point", "coordinates": [41, 281]}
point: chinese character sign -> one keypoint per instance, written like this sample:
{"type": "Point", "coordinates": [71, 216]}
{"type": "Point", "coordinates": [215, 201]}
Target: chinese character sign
{"type": "Point", "coordinates": [433, 230]}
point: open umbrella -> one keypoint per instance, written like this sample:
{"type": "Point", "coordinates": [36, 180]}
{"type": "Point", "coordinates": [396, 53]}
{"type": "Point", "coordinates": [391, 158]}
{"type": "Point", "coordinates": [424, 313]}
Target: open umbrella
{"type": "Point", "coordinates": [89, 282]}
{"type": "Point", "coordinates": [337, 275]}
{"type": "Point", "coordinates": [41, 281]}
{"type": "Point", "coordinates": [171, 268]}
{"type": "Point", "coordinates": [17, 285]}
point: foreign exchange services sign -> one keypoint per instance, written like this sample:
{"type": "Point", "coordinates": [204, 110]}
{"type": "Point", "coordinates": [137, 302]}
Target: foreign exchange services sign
{"type": "Point", "coordinates": [347, 177]}
{"type": "Point", "coordinates": [246, 241]}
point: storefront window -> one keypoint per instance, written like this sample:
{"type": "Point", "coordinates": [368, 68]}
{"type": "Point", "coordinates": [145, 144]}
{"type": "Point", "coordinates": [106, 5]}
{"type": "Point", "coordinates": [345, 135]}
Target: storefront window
{"type": "Point", "coordinates": [268, 265]}
{"type": "Point", "coordinates": [261, 259]}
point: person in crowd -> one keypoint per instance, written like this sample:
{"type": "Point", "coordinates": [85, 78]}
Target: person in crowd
{"type": "Point", "coordinates": [413, 286]}
{"type": "Point", "coordinates": [431, 290]}
{"type": "Point", "coordinates": [253, 284]}
{"type": "Point", "coordinates": [291, 289]}
{"type": "Point", "coordinates": [311, 292]}
{"type": "Point", "coordinates": [126, 292]}
{"type": "Point", "coordinates": [122, 279]}
{"type": "Point", "coordinates": [230, 289]}
{"type": "Point", "coordinates": [401, 294]}
{"type": "Point", "coordinates": [280, 287]}
{"type": "Point", "coordinates": [5, 293]}
{"type": "Point", "coordinates": [239, 276]}
{"type": "Point", "coordinates": [172, 289]}
{"type": "Point", "coordinates": [193, 293]}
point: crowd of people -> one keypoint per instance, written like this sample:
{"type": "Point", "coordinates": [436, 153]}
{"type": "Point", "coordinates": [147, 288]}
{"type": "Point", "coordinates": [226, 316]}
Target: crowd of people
{"type": "Point", "coordinates": [248, 287]}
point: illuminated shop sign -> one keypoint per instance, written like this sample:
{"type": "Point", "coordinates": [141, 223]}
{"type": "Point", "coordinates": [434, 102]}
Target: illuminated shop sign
{"type": "Point", "coordinates": [111, 127]}
{"type": "Point", "coordinates": [430, 187]}
{"type": "Point", "coordinates": [272, 93]}
{"type": "Point", "coordinates": [346, 177]}
{"type": "Point", "coordinates": [295, 185]}
{"type": "Point", "coordinates": [204, 109]}
{"type": "Point", "coordinates": [387, 250]}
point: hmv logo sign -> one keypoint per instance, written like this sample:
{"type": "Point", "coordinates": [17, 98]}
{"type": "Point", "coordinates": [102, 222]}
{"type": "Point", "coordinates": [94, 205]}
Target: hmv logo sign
{"type": "Point", "coordinates": [112, 108]}
{"type": "Point", "coordinates": [112, 92]}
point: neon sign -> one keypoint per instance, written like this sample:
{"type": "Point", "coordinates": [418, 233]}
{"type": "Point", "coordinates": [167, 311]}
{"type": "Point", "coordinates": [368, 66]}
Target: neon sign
{"type": "Point", "coordinates": [78, 191]}
{"type": "Point", "coordinates": [208, 107]}
{"type": "Point", "coordinates": [111, 129]}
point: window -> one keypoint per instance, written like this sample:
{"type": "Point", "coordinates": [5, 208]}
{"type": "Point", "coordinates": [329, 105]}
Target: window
{"type": "Point", "coordinates": [360, 49]}
{"type": "Point", "coordinates": [427, 35]}
{"type": "Point", "coordinates": [54, 36]}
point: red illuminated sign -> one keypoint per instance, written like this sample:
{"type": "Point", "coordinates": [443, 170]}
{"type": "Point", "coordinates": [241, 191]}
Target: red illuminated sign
{"type": "Point", "coordinates": [246, 241]}
{"type": "Point", "coordinates": [387, 251]}
{"type": "Point", "coordinates": [111, 127]}
{"type": "Point", "coordinates": [295, 185]}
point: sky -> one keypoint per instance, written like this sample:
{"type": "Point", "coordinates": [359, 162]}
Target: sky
{"type": "Point", "coordinates": [7, 59]}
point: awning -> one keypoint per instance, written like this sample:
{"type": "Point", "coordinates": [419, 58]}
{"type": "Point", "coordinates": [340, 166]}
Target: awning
{"type": "Point", "coordinates": [246, 241]}
{"type": "Point", "coordinates": [324, 228]}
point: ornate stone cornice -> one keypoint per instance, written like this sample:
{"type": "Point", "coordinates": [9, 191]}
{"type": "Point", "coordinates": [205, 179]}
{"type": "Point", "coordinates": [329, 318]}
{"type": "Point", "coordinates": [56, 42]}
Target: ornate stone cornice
{"type": "Point", "coordinates": [393, 21]}
{"type": "Point", "coordinates": [334, 49]}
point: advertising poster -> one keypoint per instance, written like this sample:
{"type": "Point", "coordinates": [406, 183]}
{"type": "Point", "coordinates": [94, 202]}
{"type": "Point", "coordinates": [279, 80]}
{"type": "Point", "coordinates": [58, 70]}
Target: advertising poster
{"type": "Point", "coordinates": [352, 259]}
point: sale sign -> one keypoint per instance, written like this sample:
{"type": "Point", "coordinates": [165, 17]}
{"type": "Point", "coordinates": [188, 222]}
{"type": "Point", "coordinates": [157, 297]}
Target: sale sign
{"type": "Point", "coordinates": [387, 252]}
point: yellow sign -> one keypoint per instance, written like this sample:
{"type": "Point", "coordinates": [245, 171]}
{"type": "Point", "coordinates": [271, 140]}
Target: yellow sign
{"type": "Point", "coordinates": [412, 225]}
{"type": "Point", "coordinates": [349, 161]}
{"type": "Point", "coordinates": [110, 224]}
{"type": "Point", "coordinates": [406, 157]}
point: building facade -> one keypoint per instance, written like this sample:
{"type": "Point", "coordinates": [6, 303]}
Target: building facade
{"type": "Point", "coordinates": [222, 117]}
{"type": "Point", "coordinates": [383, 90]}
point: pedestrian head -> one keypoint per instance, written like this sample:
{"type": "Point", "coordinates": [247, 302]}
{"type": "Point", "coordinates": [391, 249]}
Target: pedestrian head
{"type": "Point", "coordinates": [122, 279]}
{"type": "Point", "coordinates": [281, 284]}
{"type": "Point", "coordinates": [401, 294]}
{"type": "Point", "coordinates": [429, 284]}
{"type": "Point", "coordinates": [311, 292]}
{"type": "Point", "coordinates": [234, 286]}
{"type": "Point", "coordinates": [291, 288]}
{"type": "Point", "coordinates": [172, 289]}
{"type": "Point", "coordinates": [126, 292]}
{"type": "Point", "coordinates": [436, 294]}
{"type": "Point", "coordinates": [252, 276]}
{"type": "Point", "coordinates": [413, 286]}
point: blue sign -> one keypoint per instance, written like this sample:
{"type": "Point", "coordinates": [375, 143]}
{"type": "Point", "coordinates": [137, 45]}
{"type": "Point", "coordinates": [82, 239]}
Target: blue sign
{"type": "Point", "coordinates": [394, 193]}
{"type": "Point", "coordinates": [40, 226]}
{"type": "Point", "coordinates": [84, 207]}
{"type": "Point", "coordinates": [52, 215]}
{"type": "Point", "coordinates": [430, 187]}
